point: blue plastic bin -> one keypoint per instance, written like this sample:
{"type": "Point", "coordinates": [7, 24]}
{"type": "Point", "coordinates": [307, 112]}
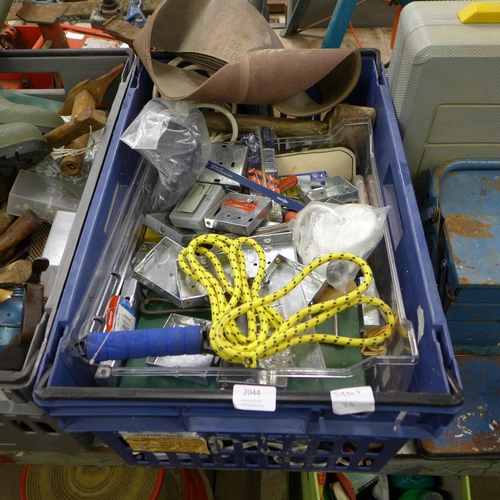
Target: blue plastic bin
{"type": "Point", "coordinates": [303, 433]}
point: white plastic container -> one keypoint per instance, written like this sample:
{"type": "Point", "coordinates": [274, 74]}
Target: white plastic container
{"type": "Point", "coordinates": [443, 79]}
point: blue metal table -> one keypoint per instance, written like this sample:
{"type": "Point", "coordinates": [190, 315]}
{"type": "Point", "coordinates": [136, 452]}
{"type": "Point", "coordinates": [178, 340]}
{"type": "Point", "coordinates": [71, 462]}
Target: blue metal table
{"type": "Point", "coordinates": [336, 28]}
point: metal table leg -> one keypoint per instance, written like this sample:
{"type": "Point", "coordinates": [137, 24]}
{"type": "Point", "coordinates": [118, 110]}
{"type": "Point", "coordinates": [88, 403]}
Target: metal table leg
{"type": "Point", "coordinates": [338, 24]}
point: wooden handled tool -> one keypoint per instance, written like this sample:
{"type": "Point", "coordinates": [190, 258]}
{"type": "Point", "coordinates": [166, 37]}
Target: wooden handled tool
{"type": "Point", "coordinates": [86, 94]}
{"type": "Point", "coordinates": [15, 274]}
{"type": "Point", "coordinates": [121, 30]}
{"type": "Point", "coordinates": [288, 127]}
{"type": "Point", "coordinates": [95, 86]}
{"type": "Point", "coordinates": [19, 230]}
{"type": "Point", "coordinates": [71, 165]}
{"type": "Point", "coordinates": [283, 127]}
{"type": "Point", "coordinates": [77, 127]}
{"type": "Point", "coordinates": [5, 219]}
{"type": "Point", "coordinates": [5, 294]}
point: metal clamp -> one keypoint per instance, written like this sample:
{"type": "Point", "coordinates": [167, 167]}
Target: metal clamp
{"type": "Point", "coordinates": [135, 16]}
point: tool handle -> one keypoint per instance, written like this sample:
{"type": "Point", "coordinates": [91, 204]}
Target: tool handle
{"type": "Point", "coordinates": [283, 127]}
{"type": "Point", "coordinates": [6, 220]}
{"type": "Point", "coordinates": [20, 229]}
{"type": "Point", "coordinates": [96, 87]}
{"type": "Point", "coordinates": [71, 165]}
{"type": "Point", "coordinates": [132, 344]}
{"type": "Point", "coordinates": [78, 126]}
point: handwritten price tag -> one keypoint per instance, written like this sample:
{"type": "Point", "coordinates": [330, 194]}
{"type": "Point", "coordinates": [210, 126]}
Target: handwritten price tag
{"type": "Point", "coordinates": [352, 400]}
{"type": "Point", "coordinates": [254, 397]}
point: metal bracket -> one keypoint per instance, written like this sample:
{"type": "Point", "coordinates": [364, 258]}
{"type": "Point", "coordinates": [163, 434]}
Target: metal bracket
{"type": "Point", "coordinates": [280, 273]}
{"type": "Point", "coordinates": [191, 293]}
{"type": "Point", "coordinates": [135, 16]}
{"type": "Point", "coordinates": [158, 270]}
{"type": "Point", "coordinates": [273, 245]}
{"type": "Point", "coordinates": [331, 189]}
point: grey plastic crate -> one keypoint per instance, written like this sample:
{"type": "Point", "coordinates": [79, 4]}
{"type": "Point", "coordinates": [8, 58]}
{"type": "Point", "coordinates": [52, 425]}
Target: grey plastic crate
{"type": "Point", "coordinates": [39, 433]}
{"type": "Point", "coordinates": [23, 426]}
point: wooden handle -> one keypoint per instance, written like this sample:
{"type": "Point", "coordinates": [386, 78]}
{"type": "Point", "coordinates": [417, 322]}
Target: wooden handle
{"type": "Point", "coordinates": [19, 230]}
{"type": "Point", "coordinates": [283, 127]}
{"type": "Point", "coordinates": [121, 30]}
{"type": "Point", "coordinates": [16, 273]}
{"type": "Point", "coordinates": [5, 294]}
{"type": "Point", "coordinates": [349, 112]}
{"type": "Point", "coordinates": [95, 86]}
{"type": "Point", "coordinates": [71, 165]}
{"type": "Point", "coordinates": [78, 126]}
{"type": "Point", "coordinates": [5, 220]}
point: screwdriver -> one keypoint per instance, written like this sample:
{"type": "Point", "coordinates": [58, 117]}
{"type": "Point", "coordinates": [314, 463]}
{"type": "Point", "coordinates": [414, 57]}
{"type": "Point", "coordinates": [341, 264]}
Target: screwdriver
{"type": "Point", "coordinates": [133, 344]}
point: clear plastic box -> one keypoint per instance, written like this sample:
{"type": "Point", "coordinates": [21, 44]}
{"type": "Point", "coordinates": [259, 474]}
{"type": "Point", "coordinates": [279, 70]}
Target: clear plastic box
{"type": "Point", "coordinates": [389, 371]}
{"type": "Point", "coordinates": [44, 195]}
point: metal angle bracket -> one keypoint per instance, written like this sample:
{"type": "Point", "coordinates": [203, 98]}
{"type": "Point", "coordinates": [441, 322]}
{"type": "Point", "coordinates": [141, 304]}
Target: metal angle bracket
{"type": "Point", "coordinates": [281, 272]}
{"type": "Point", "coordinates": [157, 271]}
{"type": "Point", "coordinates": [331, 189]}
{"type": "Point", "coordinates": [273, 245]}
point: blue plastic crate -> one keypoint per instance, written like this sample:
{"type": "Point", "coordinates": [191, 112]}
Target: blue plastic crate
{"type": "Point", "coordinates": [303, 432]}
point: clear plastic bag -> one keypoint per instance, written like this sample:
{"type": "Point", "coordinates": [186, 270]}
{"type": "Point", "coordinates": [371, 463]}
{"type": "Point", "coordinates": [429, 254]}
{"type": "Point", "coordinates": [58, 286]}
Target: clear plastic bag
{"type": "Point", "coordinates": [174, 138]}
{"type": "Point", "coordinates": [322, 228]}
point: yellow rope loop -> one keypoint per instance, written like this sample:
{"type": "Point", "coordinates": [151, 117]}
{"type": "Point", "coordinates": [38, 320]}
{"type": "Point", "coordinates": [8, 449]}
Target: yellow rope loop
{"type": "Point", "coordinates": [268, 332]}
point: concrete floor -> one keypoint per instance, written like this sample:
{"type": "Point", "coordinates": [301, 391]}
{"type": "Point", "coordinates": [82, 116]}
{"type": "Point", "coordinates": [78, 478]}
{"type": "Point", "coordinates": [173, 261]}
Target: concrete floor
{"type": "Point", "coordinates": [10, 481]}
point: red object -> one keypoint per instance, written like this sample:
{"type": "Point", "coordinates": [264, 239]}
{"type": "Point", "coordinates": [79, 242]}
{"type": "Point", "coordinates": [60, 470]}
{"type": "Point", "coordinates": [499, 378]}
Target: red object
{"type": "Point", "coordinates": [290, 216]}
{"type": "Point", "coordinates": [8, 34]}
{"type": "Point", "coordinates": [55, 34]}
{"type": "Point", "coordinates": [27, 36]}
{"type": "Point", "coordinates": [288, 182]}
{"type": "Point", "coordinates": [395, 25]}
{"type": "Point", "coordinates": [194, 487]}
{"type": "Point", "coordinates": [242, 205]}
{"type": "Point", "coordinates": [33, 37]}
{"type": "Point", "coordinates": [23, 482]}
{"type": "Point", "coordinates": [346, 484]}
{"type": "Point", "coordinates": [158, 485]}
{"type": "Point", "coordinates": [7, 459]}
{"type": "Point", "coordinates": [256, 176]}
{"type": "Point", "coordinates": [111, 312]}
{"type": "Point", "coordinates": [26, 80]}
{"type": "Point", "coordinates": [88, 31]}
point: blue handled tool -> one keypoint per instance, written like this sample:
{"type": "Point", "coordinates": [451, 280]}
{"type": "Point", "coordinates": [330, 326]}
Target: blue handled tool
{"type": "Point", "coordinates": [130, 344]}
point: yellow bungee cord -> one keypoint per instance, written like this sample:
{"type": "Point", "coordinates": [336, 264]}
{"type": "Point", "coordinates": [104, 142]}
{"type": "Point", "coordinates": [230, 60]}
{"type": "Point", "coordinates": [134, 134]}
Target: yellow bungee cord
{"type": "Point", "coordinates": [268, 332]}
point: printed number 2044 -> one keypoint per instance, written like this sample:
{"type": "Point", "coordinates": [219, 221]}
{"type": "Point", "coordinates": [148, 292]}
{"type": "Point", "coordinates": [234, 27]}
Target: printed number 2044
{"type": "Point", "coordinates": [251, 392]}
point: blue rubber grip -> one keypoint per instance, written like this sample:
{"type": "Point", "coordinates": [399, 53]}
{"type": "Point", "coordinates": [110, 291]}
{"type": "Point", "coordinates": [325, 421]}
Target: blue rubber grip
{"type": "Point", "coordinates": [143, 343]}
